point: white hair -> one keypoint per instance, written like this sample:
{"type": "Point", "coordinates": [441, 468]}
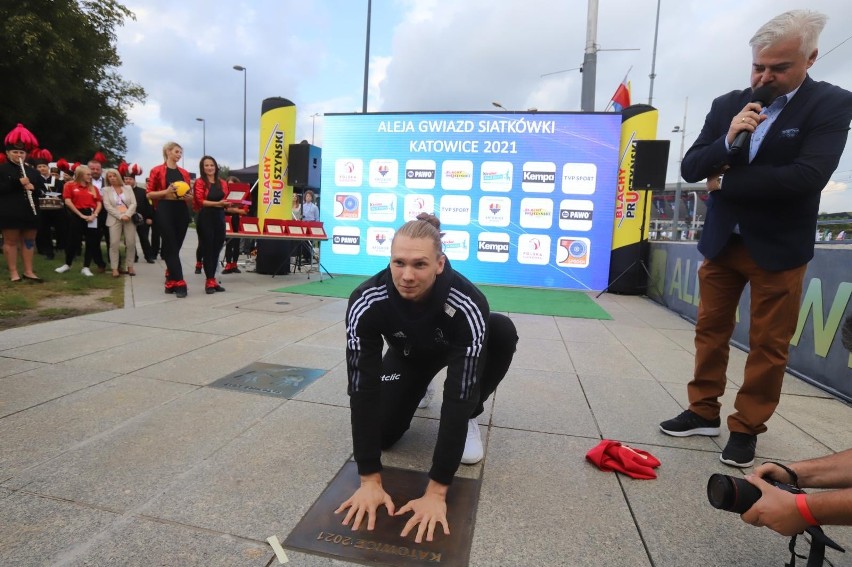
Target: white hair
{"type": "Point", "coordinates": [805, 25]}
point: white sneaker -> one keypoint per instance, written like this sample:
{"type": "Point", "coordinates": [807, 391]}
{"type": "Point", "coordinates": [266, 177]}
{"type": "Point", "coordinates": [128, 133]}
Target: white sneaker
{"type": "Point", "coordinates": [427, 397]}
{"type": "Point", "coordinates": [473, 451]}
{"type": "Point", "coordinates": [86, 272]}
{"type": "Point", "coordinates": [62, 269]}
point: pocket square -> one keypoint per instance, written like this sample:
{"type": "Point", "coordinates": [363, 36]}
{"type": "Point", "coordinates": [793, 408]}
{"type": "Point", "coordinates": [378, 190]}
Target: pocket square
{"type": "Point", "coordinates": [790, 133]}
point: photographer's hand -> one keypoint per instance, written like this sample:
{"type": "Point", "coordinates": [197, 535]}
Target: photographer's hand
{"type": "Point", "coordinates": [773, 471]}
{"type": "Point", "coordinates": [776, 509]}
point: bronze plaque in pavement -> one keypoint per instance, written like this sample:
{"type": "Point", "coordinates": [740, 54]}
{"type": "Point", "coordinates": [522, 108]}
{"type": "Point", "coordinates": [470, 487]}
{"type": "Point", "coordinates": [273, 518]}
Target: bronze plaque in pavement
{"type": "Point", "coordinates": [269, 379]}
{"type": "Point", "coordinates": [320, 531]}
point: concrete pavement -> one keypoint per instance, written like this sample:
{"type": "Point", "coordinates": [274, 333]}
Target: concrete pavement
{"type": "Point", "coordinates": [114, 449]}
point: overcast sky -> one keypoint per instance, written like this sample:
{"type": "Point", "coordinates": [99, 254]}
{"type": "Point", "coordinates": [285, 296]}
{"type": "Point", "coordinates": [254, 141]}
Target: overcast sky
{"type": "Point", "coordinates": [435, 55]}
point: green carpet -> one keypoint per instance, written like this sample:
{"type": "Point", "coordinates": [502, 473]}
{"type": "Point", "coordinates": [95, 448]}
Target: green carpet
{"type": "Point", "coordinates": [533, 301]}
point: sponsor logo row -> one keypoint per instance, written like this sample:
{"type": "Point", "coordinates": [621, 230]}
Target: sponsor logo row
{"type": "Point", "coordinates": [497, 247]}
{"type": "Point", "coordinates": [458, 175]}
{"type": "Point", "coordinates": [492, 210]}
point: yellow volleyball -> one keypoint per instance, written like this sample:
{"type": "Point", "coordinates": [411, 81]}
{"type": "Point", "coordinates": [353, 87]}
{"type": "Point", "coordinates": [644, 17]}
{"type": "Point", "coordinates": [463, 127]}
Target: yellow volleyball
{"type": "Point", "coordinates": [181, 188]}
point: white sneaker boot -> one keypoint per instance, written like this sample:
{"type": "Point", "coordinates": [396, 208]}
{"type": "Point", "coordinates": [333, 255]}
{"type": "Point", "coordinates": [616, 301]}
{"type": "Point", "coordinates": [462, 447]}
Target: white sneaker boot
{"type": "Point", "coordinates": [473, 451]}
{"type": "Point", "coordinates": [62, 269]}
{"type": "Point", "coordinates": [87, 272]}
{"type": "Point", "coordinates": [427, 397]}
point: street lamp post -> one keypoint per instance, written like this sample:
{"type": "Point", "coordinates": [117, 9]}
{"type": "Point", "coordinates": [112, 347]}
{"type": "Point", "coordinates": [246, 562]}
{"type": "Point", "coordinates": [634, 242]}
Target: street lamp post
{"type": "Point", "coordinates": [203, 135]}
{"type": "Point", "coordinates": [244, 71]}
{"type": "Point", "coordinates": [313, 125]}
{"type": "Point", "coordinates": [676, 212]}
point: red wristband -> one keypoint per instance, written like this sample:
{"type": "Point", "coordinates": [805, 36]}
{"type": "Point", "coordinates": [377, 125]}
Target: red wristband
{"type": "Point", "coordinates": [802, 505]}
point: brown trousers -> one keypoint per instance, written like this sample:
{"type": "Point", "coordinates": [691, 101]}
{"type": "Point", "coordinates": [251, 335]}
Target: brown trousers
{"type": "Point", "coordinates": [775, 301]}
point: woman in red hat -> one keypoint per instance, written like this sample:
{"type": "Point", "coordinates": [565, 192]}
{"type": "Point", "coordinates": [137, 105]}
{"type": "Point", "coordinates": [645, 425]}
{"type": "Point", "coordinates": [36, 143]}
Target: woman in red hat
{"type": "Point", "coordinates": [19, 217]}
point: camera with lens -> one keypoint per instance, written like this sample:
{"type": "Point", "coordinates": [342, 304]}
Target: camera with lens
{"type": "Point", "coordinates": [734, 494]}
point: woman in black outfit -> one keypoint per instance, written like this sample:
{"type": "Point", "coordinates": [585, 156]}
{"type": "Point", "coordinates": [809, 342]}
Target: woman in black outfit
{"type": "Point", "coordinates": [172, 213]}
{"type": "Point", "coordinates": [209, 201]}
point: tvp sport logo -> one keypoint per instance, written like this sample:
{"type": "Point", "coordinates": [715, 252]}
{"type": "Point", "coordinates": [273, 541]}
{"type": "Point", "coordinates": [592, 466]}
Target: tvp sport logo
{"type": "Point", "coordinates": [347, 206]}
{"type": "Point", "coordinates": [496, 176]}
{"type": "Point", "coordinates": [384, 173]}
{"type": "Point", "coordinates": [420, 174]}
{"type": "Point", "coordinates": [348, 172]}
{"type": "Point", "coordinates": [579, 178]}
{"type": "Point", "coordinates": [573, 252]}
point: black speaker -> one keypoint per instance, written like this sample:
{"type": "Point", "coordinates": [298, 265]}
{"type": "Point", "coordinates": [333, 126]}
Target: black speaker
{"type": "Point", "coordinates": [304, 169]}
{"type": "Point", "coordinates": [650, 160]}
{"type": "Point", "coordinates": [273, 257]}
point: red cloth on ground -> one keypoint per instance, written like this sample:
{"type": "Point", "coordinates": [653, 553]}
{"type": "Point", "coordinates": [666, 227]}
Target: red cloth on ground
{"type": "Point", "coordinates": [611, 455]}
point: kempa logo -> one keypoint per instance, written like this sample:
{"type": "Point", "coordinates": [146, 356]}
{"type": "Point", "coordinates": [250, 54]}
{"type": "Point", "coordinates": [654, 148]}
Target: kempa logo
{"type": "Point", "coordinates": [539, 177]}
{"type": "Point", "coordinates": [485, 246]}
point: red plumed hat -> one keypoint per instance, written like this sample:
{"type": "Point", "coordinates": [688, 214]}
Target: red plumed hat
{"type": "Point", "coordinates": [135, 169]}
{"type": "Point", "coordinates": [63, 166]}
{"type": "Point", "coordinates": [46, 155]}
{"type": "Point", "coordinates": [20, 139]}
{"type": "Point", "coordinates": [74, 166]}
{"type": "Point", "coordinates": [123, 168]}
{"type": "Point", "coordinates": [3, 158]}
{"type": "Point", "coordinates": [100, 157]}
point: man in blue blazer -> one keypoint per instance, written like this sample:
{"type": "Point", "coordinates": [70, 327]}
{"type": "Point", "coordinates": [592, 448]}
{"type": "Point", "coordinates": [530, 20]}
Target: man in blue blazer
{"type": "Point", "coordinates": [760, 225]}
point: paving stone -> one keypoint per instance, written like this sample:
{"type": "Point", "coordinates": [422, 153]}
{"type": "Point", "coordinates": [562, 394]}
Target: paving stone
{"type": "Point", "coordinates": [535, 326]}
{"type": "Point", "coordinates": [827, 420]}
{"type": "Point", "coordinates": [641, 339]}
{"type": "Point", "coordinates": [307, 356]}
{"type": "Point", "coordinates": [549, 402]}
{"type": "Point", "coordinates": [540, 354]}
{"type": "Point", "coordinates": [570, 514]}
{"type": "Point", "coordinates": [82, 344]}
{"type": "Point", "coordinates": [36, 531]}
{"type": "Point", "coordinates": [207, 364]}
{"type": "Point", "coordinates": [236, 324]}
{"type": "Point", "coordinates": [133, 356]}
{"type": "Point", "coordinates": [40, 433]}
{"type": "Point", "coordinates": [332, 337]}
{"type": "Point", "coordinates": [575, 330]}
{"type": "Point", "coordinates": [606, 360]}
{"type": "Point", "coordinates": [11, 366]}
{"type": "Point", "coordinates": [631, 411]}
{"type": "Point", "coordinates": [675, 366]}
{"type": "Point", "coordinates": [290, 329]}
{"type": "Point", "coordinates": [129, 466]}
{"type": "Point", "coordinates": [45, 383]}
{"type": "Point", "coordinates": [262, 483]}
{"type": "Point", "coordinates": [33, 334]}
{"type": "Point", "coordinates": [144, 543]}
{"type": "Point", "coordinates": [683, 337]}
{"type": "Point", "coordinates": [329, 389]}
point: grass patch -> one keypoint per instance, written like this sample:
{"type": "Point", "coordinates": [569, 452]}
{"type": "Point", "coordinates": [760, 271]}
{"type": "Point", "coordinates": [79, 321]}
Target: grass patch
{"type": "Point", "coordinates": [19, 301]}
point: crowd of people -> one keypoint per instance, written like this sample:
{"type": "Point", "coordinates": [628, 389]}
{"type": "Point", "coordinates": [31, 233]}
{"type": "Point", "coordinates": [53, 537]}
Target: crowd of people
{"type": "Point", "coordinates": [73, 209]}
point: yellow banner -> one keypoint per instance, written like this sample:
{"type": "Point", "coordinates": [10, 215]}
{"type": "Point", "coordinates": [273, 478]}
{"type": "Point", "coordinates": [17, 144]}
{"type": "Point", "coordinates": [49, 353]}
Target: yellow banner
{"type": "Point", "coordinates": [639, 123]}
{"type": "Point", "coordinates": [277, 132]}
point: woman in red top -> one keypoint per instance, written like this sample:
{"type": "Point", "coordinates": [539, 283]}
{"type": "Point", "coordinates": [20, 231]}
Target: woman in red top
{"type": "Point", "coordinates": [83, 203]}
{"type": "Point", "coordinates": [209, 201]}
{"type": "Point", "coordinates": [172, 213]}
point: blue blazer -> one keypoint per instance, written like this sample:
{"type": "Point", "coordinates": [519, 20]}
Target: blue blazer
{"type": "Point", "coordinates": [775, 198]}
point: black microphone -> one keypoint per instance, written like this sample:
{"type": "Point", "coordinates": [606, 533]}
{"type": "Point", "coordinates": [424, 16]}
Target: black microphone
{"type": "Point", "coordinates": [762, 96]}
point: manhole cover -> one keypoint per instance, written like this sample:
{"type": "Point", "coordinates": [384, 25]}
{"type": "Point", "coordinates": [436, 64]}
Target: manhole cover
{"type": "Point", "coordinates": [270, 379]}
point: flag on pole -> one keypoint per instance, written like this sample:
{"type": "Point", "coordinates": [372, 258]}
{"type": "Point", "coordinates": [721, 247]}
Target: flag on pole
{"type": "Point", "coordinates": [621, 99]}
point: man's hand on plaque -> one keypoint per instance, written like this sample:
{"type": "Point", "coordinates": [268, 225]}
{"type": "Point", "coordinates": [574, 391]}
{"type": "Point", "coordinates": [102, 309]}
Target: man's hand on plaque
{"type": "Point", "coordinates": [429, 511]}
{"type": "Point", "coordinates": [367, 499]}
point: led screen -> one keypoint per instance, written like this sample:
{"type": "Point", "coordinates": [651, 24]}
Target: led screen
{"type": "Point", "coordinates": [524, 199]}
